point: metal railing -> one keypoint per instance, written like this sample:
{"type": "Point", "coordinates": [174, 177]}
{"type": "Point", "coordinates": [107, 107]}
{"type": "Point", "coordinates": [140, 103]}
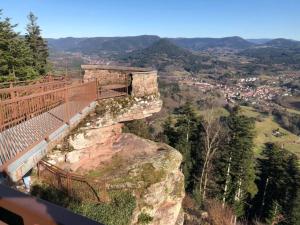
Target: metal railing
{"type": "Point", "coordinates": [21, 91]}
{"type": "Point", "coordinates": [25, 121]}
{"type": "Point", "coordinates": [111, 89]}
{"type": "Point", "coordinates": [44, 79]}
{"type": "Point", "coordinates": [29, 114]}
{"type": "Point", "coordinates": [74, 185]}
{"type": "Point", "coordinates": [73, 97]}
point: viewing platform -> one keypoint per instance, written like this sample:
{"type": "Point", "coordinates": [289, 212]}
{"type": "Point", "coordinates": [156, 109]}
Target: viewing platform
{"type": "Point", "coordinates": [36, 116]}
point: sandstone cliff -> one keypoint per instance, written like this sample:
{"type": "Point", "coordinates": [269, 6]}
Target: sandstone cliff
{"type": "Point", "coordinates": [150, 170]}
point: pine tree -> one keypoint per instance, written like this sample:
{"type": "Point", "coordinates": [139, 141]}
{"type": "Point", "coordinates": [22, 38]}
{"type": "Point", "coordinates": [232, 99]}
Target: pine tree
{"type": "Point", "coordinates": [235, 164]}
{"type": "Point", "coordinates": [295, 215]}
{"type": "Point", "coordinates": [181, 136]}
{"type": "Point", "coordinates": [15, 56]}
{"type": "Point", "coordinates": [279, 181]}
{"type": "Point", "coordinates": [170, 132]}
{"type": "Point", "coordinates": [37, 45]}
{"type": "Point", "coordinates": [275, 214]}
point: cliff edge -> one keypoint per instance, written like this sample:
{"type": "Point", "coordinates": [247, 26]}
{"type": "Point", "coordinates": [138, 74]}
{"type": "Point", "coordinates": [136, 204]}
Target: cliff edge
{"type": "Point", "coordinates": [100, 151]}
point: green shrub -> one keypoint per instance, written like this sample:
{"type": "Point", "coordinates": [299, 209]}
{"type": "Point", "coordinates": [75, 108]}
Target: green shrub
{"type": "Point", "coordinates": [117, 212]}
{"type": "Point", "coordinates": [144, 218]}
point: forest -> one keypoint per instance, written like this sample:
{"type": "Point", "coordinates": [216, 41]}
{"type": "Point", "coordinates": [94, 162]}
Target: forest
{"type": "Point", "coordinates": [219, 164]}
{"type": "Point", "coordinates": [223, 175]}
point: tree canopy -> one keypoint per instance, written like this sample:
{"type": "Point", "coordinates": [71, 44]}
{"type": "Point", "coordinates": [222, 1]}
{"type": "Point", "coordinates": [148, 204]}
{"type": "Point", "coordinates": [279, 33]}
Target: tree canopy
{"type": "Point", "coordinates": [20, 59]}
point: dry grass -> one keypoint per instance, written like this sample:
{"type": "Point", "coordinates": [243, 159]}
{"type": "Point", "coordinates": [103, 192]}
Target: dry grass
{"type": "Point", "coordinates": [218, 214]}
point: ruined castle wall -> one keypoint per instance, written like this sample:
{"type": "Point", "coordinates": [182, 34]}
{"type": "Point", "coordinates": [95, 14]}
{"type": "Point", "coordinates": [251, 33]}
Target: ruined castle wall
{"type": "Point", "coordinates": [144, 83]}
{"type": "Point", "coordinates": [106, 77]}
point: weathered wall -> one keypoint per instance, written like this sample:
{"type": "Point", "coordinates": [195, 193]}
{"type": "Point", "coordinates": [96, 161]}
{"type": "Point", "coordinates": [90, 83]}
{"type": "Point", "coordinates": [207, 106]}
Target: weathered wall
{"type": "Point", "coordinates": [106, 77]}
{"type": "Point", "coordinates": [144, 81]}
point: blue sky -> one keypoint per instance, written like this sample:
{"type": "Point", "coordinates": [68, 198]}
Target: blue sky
{"type": "Point", "coordinates": [166, 18]}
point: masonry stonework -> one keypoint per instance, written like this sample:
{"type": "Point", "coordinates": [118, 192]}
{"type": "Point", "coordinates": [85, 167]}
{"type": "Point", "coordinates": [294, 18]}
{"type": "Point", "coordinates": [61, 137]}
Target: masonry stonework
{"type": "Point", "coordinates": [144, 83]}
{"type": "Point", "coordinates": [141, 81]}
{"type": "Point", "coordinates": [106, 77]}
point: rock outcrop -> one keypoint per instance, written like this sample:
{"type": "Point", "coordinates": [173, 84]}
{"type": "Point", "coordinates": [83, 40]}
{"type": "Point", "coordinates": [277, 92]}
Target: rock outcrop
{"type": "Point", "coordinates": [150, 170]}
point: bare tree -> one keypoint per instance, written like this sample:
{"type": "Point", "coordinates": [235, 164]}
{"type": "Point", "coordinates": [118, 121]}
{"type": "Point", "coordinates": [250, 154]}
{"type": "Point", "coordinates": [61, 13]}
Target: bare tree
{"type": "Point", "coordinates": [212, 136]}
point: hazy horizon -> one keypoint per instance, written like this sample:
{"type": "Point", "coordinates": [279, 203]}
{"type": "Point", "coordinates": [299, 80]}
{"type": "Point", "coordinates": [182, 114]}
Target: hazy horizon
{"type": "Point", "coordinates": [254, 19]}
{"type": "Point", "coordinates": [245, 38]}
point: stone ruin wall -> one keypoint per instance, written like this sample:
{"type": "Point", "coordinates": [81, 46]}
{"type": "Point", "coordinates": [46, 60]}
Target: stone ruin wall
{"type": "Point", "coordinates": [144, 81]}
{"type": "Point", "coordinates": [106, 77]}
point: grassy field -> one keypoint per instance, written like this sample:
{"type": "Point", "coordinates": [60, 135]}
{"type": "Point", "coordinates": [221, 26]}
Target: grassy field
{"type": "Point", "coordinates": [249, 112]}
{"type": "Point", "coordinates": [220, 111]}
{"type": "Point", "coordinates": [264, 129]}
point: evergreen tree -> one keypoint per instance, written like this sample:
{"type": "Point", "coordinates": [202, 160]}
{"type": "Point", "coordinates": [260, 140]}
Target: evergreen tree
{"type": "Point", "coordinates": [37, 44]}
{"type": "Point", "coordinates": [279, 181]}
{"type": "Point", "coordinates": [235, 164]}
{"type": "Point", "coordinates": [169, 132]}
{"type": "Point", "coordinates": [181, 136]}
{"type": "Point", "coordinates": [295, 216]}
{"type": "Point", "coordinates": [15, 56]}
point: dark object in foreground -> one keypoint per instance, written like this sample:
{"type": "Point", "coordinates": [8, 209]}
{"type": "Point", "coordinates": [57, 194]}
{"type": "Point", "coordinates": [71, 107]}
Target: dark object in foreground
{"type": "Point", "coordinates": [17, 208]}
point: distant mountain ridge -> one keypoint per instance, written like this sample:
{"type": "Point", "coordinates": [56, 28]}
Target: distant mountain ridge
{"type": "Point", "coordinates": [96, 45]}
{"type": "Point", "coordinates": [205, 43]}
{"type": "Point", "coordinates": [259, 41]}
{"type": "Point", "coordinates": [276, 51]}
{"type": "Point", "coordinates": [120, 45]}
{"type": "Point", "coordinates": [131, 43]}
{"type": "Point", "coordinates": [282, 43]}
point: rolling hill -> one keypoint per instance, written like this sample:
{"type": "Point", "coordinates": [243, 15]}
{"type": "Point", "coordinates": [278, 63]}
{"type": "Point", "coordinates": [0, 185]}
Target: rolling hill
{"type": "Point", "coordinates": [163, 53]}
{"type": "Point", "coordinates": [269, 52]}
{"type": "Point", "coordinates": [100, 45]}
{"type": "Point", "coordinates": [282, 43]}
{"type": "Point", "coordinates": [197, 44]}
{"type": "Point", "coordinates": [259, 41]}
{"type": "Point", "coordinates": [276, 51]}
